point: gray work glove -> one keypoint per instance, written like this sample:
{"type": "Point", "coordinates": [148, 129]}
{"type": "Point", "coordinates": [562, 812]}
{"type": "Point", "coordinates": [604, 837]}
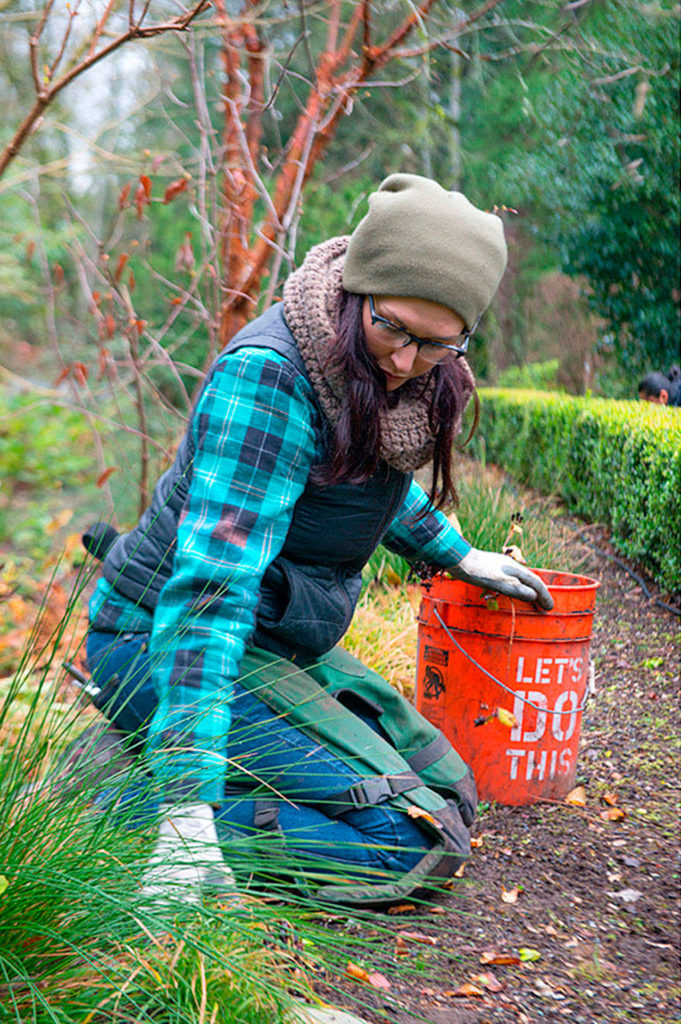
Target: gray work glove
{"type": "Point", "coordinates": [186, 858]}
{"type": "Point", "coordinates": [491, 571]}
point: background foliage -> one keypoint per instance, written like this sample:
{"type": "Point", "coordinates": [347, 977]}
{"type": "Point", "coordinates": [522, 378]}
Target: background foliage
{"type": "Point", "coordinates": [617, 463]}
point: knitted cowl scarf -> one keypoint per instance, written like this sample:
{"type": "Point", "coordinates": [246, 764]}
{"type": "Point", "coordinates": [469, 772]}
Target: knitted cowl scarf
{"type": "Point", "coordinates": [311, 296]}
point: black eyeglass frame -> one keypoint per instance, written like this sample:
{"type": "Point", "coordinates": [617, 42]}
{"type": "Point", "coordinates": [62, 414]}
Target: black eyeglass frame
{"type": "Point", "coordinates": [460, 350]}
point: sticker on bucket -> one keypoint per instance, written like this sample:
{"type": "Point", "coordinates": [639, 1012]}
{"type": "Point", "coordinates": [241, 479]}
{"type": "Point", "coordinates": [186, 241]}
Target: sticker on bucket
{"type": "Point", "coordinates": [531, 664]}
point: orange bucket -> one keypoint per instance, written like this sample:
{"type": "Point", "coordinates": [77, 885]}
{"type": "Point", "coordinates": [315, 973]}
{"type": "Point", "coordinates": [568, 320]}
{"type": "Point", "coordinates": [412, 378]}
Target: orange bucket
{"type": "Point", "coordinates": [507, 683]}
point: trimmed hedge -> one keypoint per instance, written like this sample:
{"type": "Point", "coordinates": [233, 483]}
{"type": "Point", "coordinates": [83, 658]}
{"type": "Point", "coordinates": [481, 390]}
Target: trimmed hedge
{"type": "Point", "coordinates": [613, 462]}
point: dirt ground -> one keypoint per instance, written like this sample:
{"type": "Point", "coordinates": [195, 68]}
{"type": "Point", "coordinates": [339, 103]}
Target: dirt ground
{"type": "Point", "coordinates": [597, 904]}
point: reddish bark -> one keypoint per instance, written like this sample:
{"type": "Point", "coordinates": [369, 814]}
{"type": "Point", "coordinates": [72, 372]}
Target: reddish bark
{"type": "Point", "coordinates": [340, 71]}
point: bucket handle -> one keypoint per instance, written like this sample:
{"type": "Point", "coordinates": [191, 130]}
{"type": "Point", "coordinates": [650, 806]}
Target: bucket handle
{"type": "Point", "coordinates": [514, 693]}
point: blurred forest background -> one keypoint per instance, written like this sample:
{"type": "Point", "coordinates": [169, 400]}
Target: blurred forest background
{"type": "Point", "coordinates": [162, 169]}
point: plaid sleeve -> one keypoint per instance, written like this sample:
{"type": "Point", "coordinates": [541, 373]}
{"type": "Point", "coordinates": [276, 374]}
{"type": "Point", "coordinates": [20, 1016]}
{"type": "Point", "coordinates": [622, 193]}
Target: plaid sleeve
{"type": "Point", "coordinates": [255, 442]}
{"type": "Point", "coordinates": [431, 539]}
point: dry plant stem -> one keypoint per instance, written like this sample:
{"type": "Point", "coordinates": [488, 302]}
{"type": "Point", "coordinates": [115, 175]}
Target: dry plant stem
{"type": "Point", "coordinates": [133, 343]}
{"type": "Point", "coordinates": [46, 91]}
{"type": "Point", "coordinates": [207, 194]}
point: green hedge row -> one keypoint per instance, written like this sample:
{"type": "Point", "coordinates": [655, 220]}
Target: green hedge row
{"type": "Point", "coordinates": [613, 462]}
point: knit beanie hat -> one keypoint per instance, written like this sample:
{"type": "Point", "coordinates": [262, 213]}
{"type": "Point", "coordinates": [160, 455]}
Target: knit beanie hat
{"type": "Point", "coordinates": [419, 241]}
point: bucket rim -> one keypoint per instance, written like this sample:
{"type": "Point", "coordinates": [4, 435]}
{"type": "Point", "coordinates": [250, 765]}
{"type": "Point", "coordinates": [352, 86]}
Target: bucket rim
{"type": "Point", "coordinates": [589, 583]}
{"type": "Point", "coordinates": [546, 575]}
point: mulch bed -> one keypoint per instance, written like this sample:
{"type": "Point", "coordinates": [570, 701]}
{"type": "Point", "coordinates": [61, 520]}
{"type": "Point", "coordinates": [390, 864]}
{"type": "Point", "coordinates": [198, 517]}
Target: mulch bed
{"type": "Point", "coordinates": [597, 903]}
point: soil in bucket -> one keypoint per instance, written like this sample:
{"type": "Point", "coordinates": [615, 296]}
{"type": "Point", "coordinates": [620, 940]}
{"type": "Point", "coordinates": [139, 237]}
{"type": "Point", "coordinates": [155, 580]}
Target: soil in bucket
{"type": "Point", "coordinates": [506, 682]}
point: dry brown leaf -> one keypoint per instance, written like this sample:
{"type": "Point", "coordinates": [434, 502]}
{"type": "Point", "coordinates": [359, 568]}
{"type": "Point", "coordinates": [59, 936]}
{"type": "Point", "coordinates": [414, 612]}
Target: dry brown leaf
{"type": "Point", "coordinates": [576, 797]}
{"type": "Point", "coordinates": [476, 841]}
{"type": "Point", "coordinates": [400, 947]}
{"type": "Point", "coordinates": [487, 981]}
{"type": "Point", "coordinates": [510, 895]}
{"type": "Point", "coordinates": [417, 812]}
{"type": "Point", "coordinates": [418, 937]}
{"type": "Point", "coordinates": [490, 956]}
{"type": "Point", "coordinates": [357, 972]}
{"type": "Point", "coordinates": [460, 870]}
{"type": "Point", "coordinates": [375, 979]}
{"type": "Point", "coordinates": [467, 990]}
{"type": "Point", "coordinates": [610, 798]}
{"type": "Point", "coordinates": [402, 908]}
{"type": "Point", "coordinates": [613, 814]}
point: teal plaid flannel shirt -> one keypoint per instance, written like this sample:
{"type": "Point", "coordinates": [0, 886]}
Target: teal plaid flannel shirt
{"type": "Point", "coordinates": [255, 441]}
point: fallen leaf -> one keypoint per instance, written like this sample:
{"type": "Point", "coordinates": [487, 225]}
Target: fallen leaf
{"type": "Point", "coordinates": [506, 718]}
{"type": "Point", "coordinates": [460, 870]}
{"type": "Point", "coordinates": [357, 972]}
{"type": "Point", "coordinates": [374, 979]}
{"type": "Point", "coordinates": [402, 908]}
{"type": "Point", "coordinates": [510, 895]}
{"type": "Point", "coordinates": [467, 990]}
{"type": "Point", "coordinates": [418, 937]}
{"type": "Point", "coordinates": [576, 797]}
{"type": "Point", "coordinates": [610, 798]}
{"type": "Point", "coordinates": [400, 947]}
{"type": "Point", "coordinates": [543, 989]}
{"type": "Point", "coordinates": [488, 981]}
{"type": "Point", "coordinates": [613, 814]}
{"type": "Point", "coordinates": [417, 812]}
{"type": "Point", "coordinates": [626, 895]}
{"type": "Point", "coordinates": [476, 841]}
{"type": "Point", "coordinates": [491, 957]}
{"type": "Point", "coordinates": [528, 955]}
{"type": "Point", "coordinates": [378, 980]}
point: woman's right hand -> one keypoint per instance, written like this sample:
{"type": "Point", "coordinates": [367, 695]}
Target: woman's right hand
{"type": "Point", "coordinates": [186, 859]}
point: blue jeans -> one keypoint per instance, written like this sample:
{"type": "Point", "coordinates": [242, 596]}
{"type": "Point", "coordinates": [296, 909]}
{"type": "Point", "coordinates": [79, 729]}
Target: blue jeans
{"type": "Point", "coordinates": [269, 757]}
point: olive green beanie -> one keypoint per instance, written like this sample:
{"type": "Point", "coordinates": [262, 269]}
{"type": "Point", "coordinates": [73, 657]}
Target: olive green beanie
{"type": "Point", "coordinates": [420, 241]}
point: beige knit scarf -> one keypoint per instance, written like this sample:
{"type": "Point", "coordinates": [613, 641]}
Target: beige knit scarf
{"type": "Point", "coordinates": [311, 296]}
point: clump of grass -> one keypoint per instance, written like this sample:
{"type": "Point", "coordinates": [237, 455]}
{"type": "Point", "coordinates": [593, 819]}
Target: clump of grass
{"type": "Point", "coordinates": [383, 631]}
{"type": "Point", "coordinates": [79, 946]}
{"type": "Point", "coordinates": [76, 941]}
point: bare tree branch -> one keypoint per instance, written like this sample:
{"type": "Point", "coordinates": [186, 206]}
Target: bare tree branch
{"type": "Point", "coordinates": [46, 91]}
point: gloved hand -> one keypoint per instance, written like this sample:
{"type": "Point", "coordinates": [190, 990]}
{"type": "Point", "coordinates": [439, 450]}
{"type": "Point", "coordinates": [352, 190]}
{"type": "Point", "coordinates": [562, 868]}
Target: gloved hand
{"type": "Point", "coordinates": [491, 571]}
{"type": "Point", "coordinates": [186, 858]}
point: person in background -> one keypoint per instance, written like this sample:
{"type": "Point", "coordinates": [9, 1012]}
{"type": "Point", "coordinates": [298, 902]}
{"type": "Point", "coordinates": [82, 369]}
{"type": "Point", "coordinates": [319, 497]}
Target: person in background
{"type": "Point", "coordinates": [297, 462]}
{"type": "Point", "coordinates": [661, 388]}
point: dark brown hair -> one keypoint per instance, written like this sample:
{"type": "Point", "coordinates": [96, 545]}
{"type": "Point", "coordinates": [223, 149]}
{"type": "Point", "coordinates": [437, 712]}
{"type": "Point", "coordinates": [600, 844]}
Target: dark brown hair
{"type": "Point", "coordinates": [356, 442]}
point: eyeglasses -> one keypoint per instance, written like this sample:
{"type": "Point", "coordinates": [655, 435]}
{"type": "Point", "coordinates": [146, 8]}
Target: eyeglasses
{"type": "Point", "coordinates": [430, 351]}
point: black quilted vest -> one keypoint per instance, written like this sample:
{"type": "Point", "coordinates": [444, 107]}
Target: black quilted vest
{"type": "Point", "coordinates": [308, 593]}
